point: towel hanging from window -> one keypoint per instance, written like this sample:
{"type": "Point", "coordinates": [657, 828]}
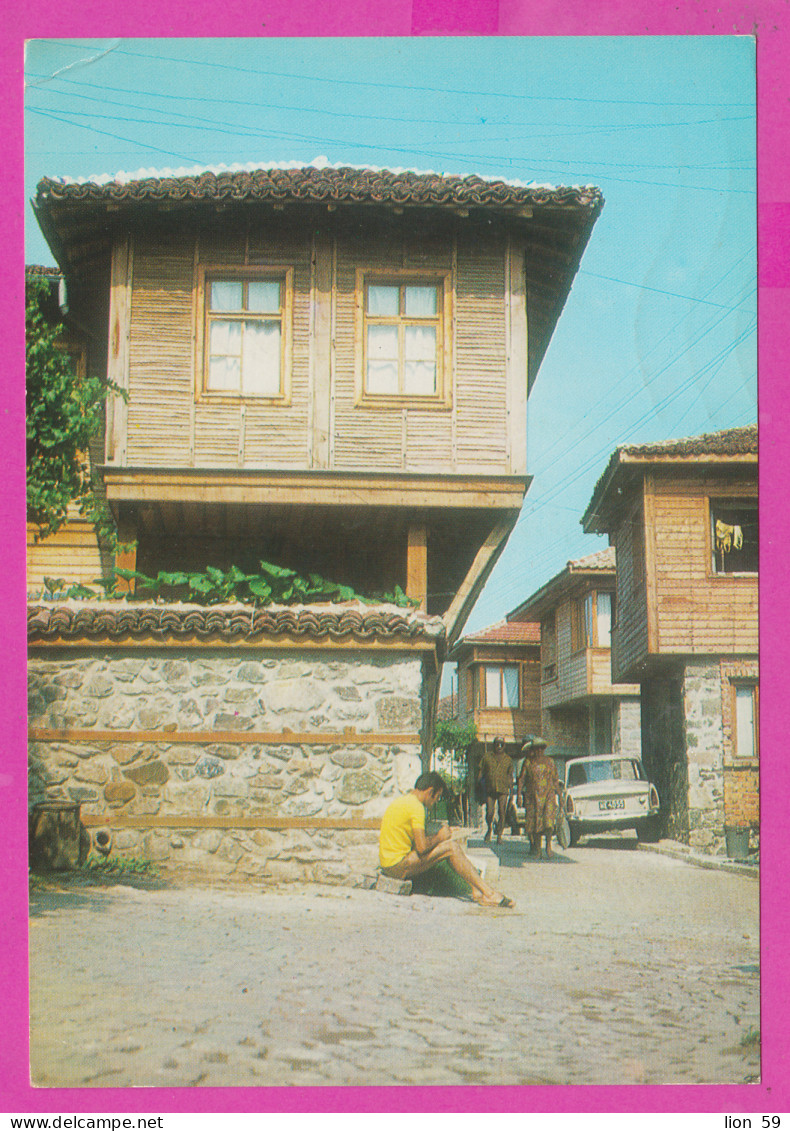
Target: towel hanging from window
{"type": "Point", "coordinates": [728, 537]}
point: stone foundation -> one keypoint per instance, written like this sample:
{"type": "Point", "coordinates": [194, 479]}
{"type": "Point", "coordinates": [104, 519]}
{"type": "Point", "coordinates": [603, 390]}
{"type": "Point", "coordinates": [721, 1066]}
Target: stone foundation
{"type": "Point", "coordinates": [705, 749]}
{"type": "Point", "coordinates": [199, 736]}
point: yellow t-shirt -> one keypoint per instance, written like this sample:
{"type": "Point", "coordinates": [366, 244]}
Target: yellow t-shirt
{"type": "Point", "coordinates": [396, 838]}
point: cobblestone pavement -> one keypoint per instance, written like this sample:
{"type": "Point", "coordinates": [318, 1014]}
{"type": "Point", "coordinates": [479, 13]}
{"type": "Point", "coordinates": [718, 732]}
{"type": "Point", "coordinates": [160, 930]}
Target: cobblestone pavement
{"type": "Point", "coordinates": [616, 966]}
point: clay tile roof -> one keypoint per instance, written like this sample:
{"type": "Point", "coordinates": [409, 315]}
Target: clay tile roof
{"type": "Point", "coordinates": [321, 183]}
{"type": "Point", "coordinates": [506, 632]}
{"type": "Point", "coordinates": [604, 559]}
{"type": "Point", "coordinates": [546, 597]}
{"type": "Point", "coordinates": [732, 441]}
{"type": "Point", "coordinates": [37, 269]}
{"type": "Point", "coordinates": [731, 444]}
{"type": "Point", "coordinates": [119, 621]}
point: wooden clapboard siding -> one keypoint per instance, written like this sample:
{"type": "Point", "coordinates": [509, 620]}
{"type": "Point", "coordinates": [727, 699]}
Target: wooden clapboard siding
{"type": "Point", "coordinates": [555, 691]}
{"type": "Point", "coordinates": [676, 605]}
{"type": "Point", "coordinates": [72, 555]}
{"type": "Point", "coordinates": [161, 351]}
{"type": "Point", "coordinates": [362, 436]}
{"type": "Point", "coordinates": [630, 632]}
{"type": "Point", "coordinates": [696, 610]}
{"type": "Point", "coordinates": [427, 448]}
{"type": "Point", "coordinates": [600, 671]}
{"type": "Point", "coordinates": [481, 356]}
{"type": "Point", "coordinates": [168, 427]}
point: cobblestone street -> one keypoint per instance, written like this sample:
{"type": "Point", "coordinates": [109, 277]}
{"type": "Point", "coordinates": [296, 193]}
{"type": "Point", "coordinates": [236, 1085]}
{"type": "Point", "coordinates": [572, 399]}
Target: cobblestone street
{"type": "Point", "coordinates": [616, 966]}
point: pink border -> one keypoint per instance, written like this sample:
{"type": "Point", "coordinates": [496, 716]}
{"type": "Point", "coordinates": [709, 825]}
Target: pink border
{"type": "Point", "coordinates": [770, 20]}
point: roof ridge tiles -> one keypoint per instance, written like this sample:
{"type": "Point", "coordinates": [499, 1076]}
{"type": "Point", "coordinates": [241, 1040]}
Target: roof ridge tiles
{"type": "Point", "coordinates": [315, 183]}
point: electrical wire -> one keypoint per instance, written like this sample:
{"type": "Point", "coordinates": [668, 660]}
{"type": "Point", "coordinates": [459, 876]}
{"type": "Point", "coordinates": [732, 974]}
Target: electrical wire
{"type": "Point", "coordinates": [380, 85]}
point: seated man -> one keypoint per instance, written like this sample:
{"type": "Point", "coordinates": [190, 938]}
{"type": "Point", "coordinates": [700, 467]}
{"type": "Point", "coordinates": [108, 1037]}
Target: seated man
{"type": "Point", "coordinates": [405, 851]}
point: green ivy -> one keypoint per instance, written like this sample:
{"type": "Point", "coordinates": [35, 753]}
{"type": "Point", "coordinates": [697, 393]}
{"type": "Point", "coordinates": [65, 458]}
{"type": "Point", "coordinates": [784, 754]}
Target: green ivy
{"type": "Point", "coordinates": [274, 584]}
{"type": "Point", "coordinates": [63, 413]}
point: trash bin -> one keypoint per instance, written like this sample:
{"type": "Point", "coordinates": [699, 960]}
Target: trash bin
{"type": "Point", "coordinates": [737, 840]}
{"type": "Point", "coordinates": [57, 839]}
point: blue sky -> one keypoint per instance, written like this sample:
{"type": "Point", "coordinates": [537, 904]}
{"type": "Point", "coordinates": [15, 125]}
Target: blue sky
{"type": "Point", "coordinates": [658, 337]}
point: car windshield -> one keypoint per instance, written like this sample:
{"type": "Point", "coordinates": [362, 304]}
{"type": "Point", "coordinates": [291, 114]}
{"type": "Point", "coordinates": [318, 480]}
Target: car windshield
{"type": "Point", "coordinates": [605, 769]}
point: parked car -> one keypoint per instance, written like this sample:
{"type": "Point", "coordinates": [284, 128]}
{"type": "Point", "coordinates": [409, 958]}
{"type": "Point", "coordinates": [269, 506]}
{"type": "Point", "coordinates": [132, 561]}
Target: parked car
{"type": "Point", "coordinates": [612, 792]}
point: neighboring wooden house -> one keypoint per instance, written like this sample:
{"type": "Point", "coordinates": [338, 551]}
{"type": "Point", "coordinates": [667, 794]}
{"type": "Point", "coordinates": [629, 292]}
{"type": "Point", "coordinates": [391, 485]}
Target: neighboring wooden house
{"type": "Point", "coordinates": [326, 367]}
{"type": "Point", "coordinates": [499, 687]}
{"type": "Point", "coordinates": [582, 711]}
{"type": "Point", "coordinates": [73, 554]}
{"type": "Point", "coordinates": [683, 517]}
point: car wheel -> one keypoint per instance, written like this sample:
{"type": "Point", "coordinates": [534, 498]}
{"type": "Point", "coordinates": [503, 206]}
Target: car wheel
{"type": "Point", "coordinates": [648, 830]}
{"type": "Point", "coordinates": [575, 836]}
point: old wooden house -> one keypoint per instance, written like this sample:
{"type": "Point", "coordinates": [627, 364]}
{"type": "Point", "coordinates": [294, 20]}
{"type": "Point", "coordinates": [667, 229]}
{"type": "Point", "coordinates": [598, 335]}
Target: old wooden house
{"type": "Point", "coordinates": [499, 682]}
{"type": "Point", "coordinates": [582, 711]}
{"type": "Point", "coordinates": [498, 690]}
{"type": "Point", "coordinates": [683, 517]}
{"type": "Point", "coordinates": [325, 368]}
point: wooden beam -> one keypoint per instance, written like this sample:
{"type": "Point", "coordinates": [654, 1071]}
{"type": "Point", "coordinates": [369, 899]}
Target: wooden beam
{"type": "Point", "coordinates": [317, 488]}
{"type": "Point", "coordinates": [278, 643]}
{"type": "Point", "coordinates": [517, 365]}
{"type": "Point", "coordinates": [126, 554]}
{"type": "Point", "coordinates": [485, 560]}
{"type": "Point", "coordinates": [118, 350]}
{"type": "Point", "coordinates": [417, 563]}
{"type": "Point", "coordinates": [651, 595]}
{"type": "Point", "coordinates": [321, 349]}
{"type": "Point", "coordinates": [223, 737]}
{"type": "Point", "coordinates": [123, 821]}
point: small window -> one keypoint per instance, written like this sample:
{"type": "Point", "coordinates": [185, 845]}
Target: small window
{"type": "Point", "coordinates": [734, 536]}
{"type": "Point", "coordinates": [548, 647]}
{"type": "Point", "coordinates": [747, 727]}
{"type": "Point", "coordinates": [591, 621]}
{"type": "Point", "coordinates": [245, 333]}
{"type": "Point", "coordinates": [499, 686]}
{"type": "Point", "coordinates": [403, 331]}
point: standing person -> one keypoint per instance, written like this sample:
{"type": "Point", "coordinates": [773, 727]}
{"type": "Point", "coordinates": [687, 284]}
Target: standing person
{"type": "Point", "coordinates": [405, 851]}
{"type": "Point", "coordinates": [539, 786]}
{"type": "Point", "coordinates": [496, 767]}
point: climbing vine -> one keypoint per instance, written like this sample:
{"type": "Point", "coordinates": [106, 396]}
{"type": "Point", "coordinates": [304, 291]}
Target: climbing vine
{"type": "Point", "coordinates": [273, 584]}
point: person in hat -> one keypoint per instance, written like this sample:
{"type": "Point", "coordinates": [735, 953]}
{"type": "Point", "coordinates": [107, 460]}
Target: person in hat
{"type": "Point", "coordinates": [538, 789]}
{"type": "Point", "coordinates": [405, 851]}
{"type": "Point", "coordinates": [496, 769]}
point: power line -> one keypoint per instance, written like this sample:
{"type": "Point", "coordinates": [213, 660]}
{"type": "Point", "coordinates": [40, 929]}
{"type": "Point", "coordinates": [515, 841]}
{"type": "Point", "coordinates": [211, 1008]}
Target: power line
{"type": "Point", "coordinates": [498, 163]}
{"type": "Point", "coordinates": [378, 84]}
{"type": "Point", "coordinates": [658, 291]}
{"type": "Point", "coordinates": [357, 116]}
{"type": "Point", "coordinates": [706, 329]}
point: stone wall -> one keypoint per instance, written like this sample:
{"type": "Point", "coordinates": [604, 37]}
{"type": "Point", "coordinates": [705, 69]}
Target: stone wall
{"type": "Point", "coordinates": [705, 748]}
{"type": "Point", "coordinates": [627, 727]}
{"type": "Point", "coordinates": [181, 694]}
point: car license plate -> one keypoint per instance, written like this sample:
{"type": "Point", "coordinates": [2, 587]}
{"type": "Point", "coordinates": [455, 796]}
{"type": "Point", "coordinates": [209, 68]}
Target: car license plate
{"type": "Point", "coordinates": [616, 803]}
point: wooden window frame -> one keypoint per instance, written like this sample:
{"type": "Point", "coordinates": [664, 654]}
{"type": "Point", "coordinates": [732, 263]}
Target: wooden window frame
{"type": "Point", "coordinates": [737, 685]}
{"type": "Point", "coordinates": [580, 639]}
{"type": "Point", "coordinates": [548, 656]}
{"type": "Point", "coordinates": [481, 685]}
{"type": "Point", "coordinates": [713, 502]}
{"type": "Point", "coordinates": [212, 272]}
{"type": "Point", "coordinates": [442, 398]}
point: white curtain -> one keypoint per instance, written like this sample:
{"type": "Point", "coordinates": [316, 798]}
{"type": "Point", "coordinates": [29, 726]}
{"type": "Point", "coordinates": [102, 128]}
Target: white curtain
{"type": "Point", "coordinates": [261, 359]}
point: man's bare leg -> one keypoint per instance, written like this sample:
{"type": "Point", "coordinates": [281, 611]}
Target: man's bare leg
{"type": "Point", "coordinates": [449, 850]}
{"type": "Point", "coordinates": [502, 810]}
{"type": "Point", "coordinates": [490, 803]}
